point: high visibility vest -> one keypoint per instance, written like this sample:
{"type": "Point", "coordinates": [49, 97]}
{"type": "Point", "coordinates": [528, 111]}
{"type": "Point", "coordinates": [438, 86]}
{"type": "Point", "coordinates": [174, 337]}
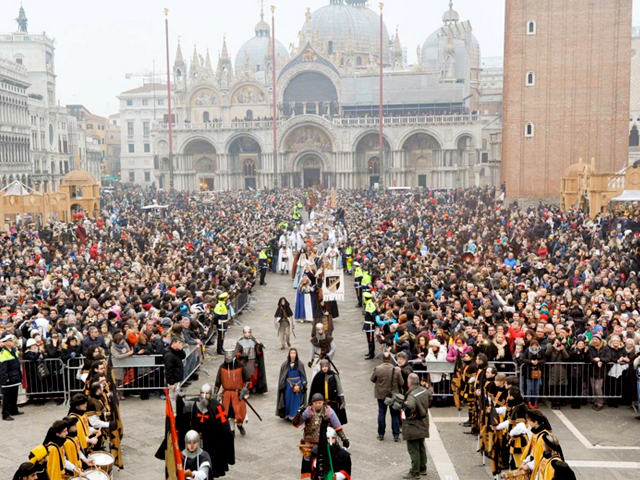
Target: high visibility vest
{"type": "Point", "coordinates": [220, 309]}
{"type": "Point", "coordinates": [348, 251]}
{"type": "Point", "coordinates": [357, 272]}
{"type": "Point", "coordinates": [262, 255]}
{"type": "Point", "coordinates": [366, 278]}
{"type": "Point", "coordinates": [370, 306]}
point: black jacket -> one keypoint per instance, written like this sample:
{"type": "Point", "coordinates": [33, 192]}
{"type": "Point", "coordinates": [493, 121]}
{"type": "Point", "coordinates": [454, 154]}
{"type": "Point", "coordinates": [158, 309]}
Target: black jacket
{"type": "Point", "coordinates": [10, 373]}
{"type": "Point", "coordinates": [173, 366]}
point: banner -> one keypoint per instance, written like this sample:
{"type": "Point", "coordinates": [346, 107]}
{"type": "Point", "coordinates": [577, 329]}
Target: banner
{"type": "Point", "coordinates": [333, 288]}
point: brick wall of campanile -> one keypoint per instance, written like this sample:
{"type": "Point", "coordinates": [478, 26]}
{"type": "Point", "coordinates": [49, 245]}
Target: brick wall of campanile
{"type": "Point", "coordinates": [579, 105]}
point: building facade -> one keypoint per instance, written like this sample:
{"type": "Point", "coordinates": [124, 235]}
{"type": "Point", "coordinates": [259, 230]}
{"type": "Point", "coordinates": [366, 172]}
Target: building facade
{"type": "Point", "coordinates": [15, 161]}
{"type": "Point", "coordinates": [50, 155]}
{"type": "Point", "coordinates": [634, 99]}
{"type": "Point", "coordinates": [566, 91]}
{"type": "Point", "coordinates": [327, 103]}
{"type": "Point", "coordinates": [140, 109]}
{"type": "Point", "coordinates": [111, 169]}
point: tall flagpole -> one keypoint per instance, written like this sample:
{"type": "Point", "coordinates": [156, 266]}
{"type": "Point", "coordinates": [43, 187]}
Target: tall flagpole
{"type": "Point", "coordinates": [381, 111]}
{"type": "Point", "coordinates": [170, 118]}
{"type": "Point", "coordinates": [275, 107]}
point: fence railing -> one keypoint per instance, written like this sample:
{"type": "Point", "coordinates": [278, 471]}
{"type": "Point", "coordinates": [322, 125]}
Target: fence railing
{"type": "Point", "coordinates": [557, 380]}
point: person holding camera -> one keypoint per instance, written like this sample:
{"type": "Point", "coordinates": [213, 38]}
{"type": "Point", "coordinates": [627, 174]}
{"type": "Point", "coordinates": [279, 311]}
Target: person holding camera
{"type": "Point", "coordinates": [415, 425]}
{"type": "Point", "coordinates": [557, 356]}
{"type": "Point", "coordinates": [388, 382]}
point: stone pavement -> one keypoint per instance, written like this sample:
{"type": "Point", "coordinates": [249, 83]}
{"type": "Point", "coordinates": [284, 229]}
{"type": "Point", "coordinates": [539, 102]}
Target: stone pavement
{"type": "Point", "coordinates": [269, 450]}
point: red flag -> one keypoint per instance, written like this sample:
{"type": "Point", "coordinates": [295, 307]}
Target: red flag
{"type": "Point", "coordinates": [173, 456]}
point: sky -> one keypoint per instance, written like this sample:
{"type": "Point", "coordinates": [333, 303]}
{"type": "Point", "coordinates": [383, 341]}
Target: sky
{"type": "Point", "coordinates": [98, 43]}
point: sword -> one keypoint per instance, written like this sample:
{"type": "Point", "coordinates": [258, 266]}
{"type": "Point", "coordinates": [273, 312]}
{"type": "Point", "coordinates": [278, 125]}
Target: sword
{"type": "Point", "coordinates": [252, 409]}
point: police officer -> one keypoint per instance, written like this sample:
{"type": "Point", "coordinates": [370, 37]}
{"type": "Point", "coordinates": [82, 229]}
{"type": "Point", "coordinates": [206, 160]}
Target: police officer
{"type": "Point", "coordinates": [263, 264]}
{"type": "Point", "coordinates": [348, 253]}
{"type": "Point", "coordinates": [10, 377]}
{"type": "Point", "coordinates": [357, 279]}
{"type": "Point", "coordinates": [369, 326]}
{"type": "Point", "coordinates": [366, 280]}
{"type": "Point", "coordinates": [221, 317]}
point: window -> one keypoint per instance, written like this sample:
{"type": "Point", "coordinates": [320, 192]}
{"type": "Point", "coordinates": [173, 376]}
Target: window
{"type": "Point", "coordinates": [358, 61]}
{"type": "Point", "coordinates": [145, 128]}
{"type": "Point", "coordinates": [130, 128]}
{"type": "Point", "coordinates": [205, 117]}
{"type": "Point", "coordinates": [330, 48]}
{"type": "Point", "coordinates": [529, 130]}
{"type": "Point", "coordinates": [132, 177]}
{"type": "Point", "coordinates": [161, 101]}
{"type": "Point", "coordinates": [19, 61]}
{"type": "Point", "coordinates": [531, 79]}
{"type": "Point", "coordinates": [145, 101]}
{"type": "Point", "coordinates": [147, 176]}
{"type": "Point", "coordinates": [131, 148]}
{"type": "Point", "coordinates": [89, 126]}
{"type": "Point", "coordinates": [129, 103]}
{"type": "Point", "coordinates": [485, 157]}
{"type": "Point", "coordinates": [147, 148]}
{"type": "Point", "coordinates": [531, 27]}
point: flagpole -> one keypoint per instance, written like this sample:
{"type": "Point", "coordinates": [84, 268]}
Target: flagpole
{"type": "Point", "coordinates": [381, 109]}
{"type": "Point", "coordinates": [275, 107]}
{"type": "Point", "coordinates": [170, 118]}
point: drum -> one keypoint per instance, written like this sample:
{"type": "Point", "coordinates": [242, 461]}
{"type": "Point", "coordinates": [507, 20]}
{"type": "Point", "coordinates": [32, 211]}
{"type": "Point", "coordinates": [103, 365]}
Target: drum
{"type": "Point", "coordinates": [102, 460]}
{"type": "Point", "coordinates": [92, 474]}
{"type": "Point", "coordinates": [518, 474]}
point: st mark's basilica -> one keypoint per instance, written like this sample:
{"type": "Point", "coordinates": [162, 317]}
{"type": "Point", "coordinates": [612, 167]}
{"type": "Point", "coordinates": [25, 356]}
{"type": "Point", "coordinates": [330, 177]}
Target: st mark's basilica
{"type": "Point", "coordinates": [442, 122]}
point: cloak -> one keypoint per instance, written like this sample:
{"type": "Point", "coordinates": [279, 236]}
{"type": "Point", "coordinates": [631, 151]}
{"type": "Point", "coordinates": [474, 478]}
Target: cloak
{"type": "Point", "coordinates": [284, 368]}
{"type": "Point", "coordinates": [213, 427]}
{"type": "Point", "coordinates": [331, 394]}
{"type": "Point", "coordinates": [283, 310]}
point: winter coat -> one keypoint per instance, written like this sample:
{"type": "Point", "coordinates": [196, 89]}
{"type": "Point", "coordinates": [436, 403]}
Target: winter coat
{"type": "Point", "coordinates": [10, 373]}
{"type": "Point", "coordinates": [557, 373]}
{"type": "Point", "coordinates": [173, 366]}
{"type": "Point", "coordinates": [454, 352]}
{"type": "Point", "coordinates": [604, 354]}
{"type": "Point", "coordinates": [416, 410]}
{"type": "Point", "coordinates": [388, 379]}
{"type": "Point", "coordinates": [527, 357]}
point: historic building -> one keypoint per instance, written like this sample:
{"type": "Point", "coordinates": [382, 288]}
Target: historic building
{"type": "Point", "coordinates": [634, 99]}
{"type": "Point", "coordinates": [15, 163]}
{"type": "Point", "coordinates": [327, 89]}
{"type": "Point", "coordinates": [50, 156]}
{"type": "Point", "coordinates": [566, 91]}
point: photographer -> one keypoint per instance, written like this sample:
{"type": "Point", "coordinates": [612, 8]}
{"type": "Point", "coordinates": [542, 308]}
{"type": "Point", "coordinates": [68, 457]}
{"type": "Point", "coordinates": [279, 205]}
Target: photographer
{"type": "Point", "coordinates": [415, 425]}
{"type": "Point", "coordinates": [557, 354]}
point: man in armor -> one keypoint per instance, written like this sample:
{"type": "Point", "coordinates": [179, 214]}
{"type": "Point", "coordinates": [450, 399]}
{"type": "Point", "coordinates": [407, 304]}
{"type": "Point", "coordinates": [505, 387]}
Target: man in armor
{"type": "Point", "coordinates": [249, 348]}
{"type": "Point", "coordinates": [205, 418]}
{"type": "Point", "coordinates": [234, 379]}
{"type": "Point", "coordinates": [221, 317]}
{"type": "Point", "coordinates": [197, 462]}
{"type": "Point", "coordinates": [321, 344]}
{"type": "Point", "coordinates": [340, 458]}
{"type": "Point", "coordinates": [312, 417]}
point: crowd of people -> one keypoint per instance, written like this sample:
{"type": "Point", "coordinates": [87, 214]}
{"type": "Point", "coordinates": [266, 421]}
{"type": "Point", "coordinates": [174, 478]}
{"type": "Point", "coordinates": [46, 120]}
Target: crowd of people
{"type": "Point", "coordinates": [542, 300]}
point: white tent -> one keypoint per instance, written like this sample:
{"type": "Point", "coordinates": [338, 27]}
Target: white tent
{"type": "Point", "coordinates": [628, 196]}
{"type": "Point", "coordinates": [18, 189]}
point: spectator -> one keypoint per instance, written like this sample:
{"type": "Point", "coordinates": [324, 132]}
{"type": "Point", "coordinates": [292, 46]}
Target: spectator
{"type": "Point", "coordinates": [388, 381]}
{"type": "Point", "coordinates": [93, 339]}
{"type": "Point", "coordinates": [415, 427]}
{"type": "Point", "coordinates": [173, 367]}
{"type": "Point", "coordinates": [599, 356]}
{"type": "Point", "coordinates": [533, 360]}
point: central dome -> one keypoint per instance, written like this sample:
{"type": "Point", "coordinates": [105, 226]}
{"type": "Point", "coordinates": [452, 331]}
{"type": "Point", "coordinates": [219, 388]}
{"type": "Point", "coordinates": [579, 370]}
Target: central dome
{"type": "Point", "coordinates": [339, 25]}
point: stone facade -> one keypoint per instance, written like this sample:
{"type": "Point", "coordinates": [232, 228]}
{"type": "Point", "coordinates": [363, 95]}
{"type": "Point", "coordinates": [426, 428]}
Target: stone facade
{"type": "Point", "coordinates": [566, 91]}
{"type": "Point", "coordinates": [327, 97]}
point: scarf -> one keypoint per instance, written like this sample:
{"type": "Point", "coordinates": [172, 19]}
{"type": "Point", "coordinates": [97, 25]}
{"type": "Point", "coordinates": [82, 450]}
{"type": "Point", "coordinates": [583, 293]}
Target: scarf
{"type": "Point", "coordinates": [501, 348]}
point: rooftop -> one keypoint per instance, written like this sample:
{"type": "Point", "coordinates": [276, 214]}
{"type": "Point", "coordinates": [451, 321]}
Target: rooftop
{"type": "Point", "coordinates": [149, 87]}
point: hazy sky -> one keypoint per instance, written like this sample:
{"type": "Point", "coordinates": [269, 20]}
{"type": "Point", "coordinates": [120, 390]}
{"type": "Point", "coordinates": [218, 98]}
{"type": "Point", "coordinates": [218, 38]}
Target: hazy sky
{"type": "Point", "coordinates": [97, 43]}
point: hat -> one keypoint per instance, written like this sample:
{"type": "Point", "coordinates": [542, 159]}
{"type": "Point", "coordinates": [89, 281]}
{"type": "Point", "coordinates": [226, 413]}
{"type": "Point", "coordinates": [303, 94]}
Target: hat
{"type": "Point", "coordinates": [37, 454]}
{"type": "Point", "coordinates": [31, 342]}
{"type": "Point", "coordinates": [598, 336]}
{"type": "Point", "coordinates": [223, 295]}
{"type": "Point", "coordinates": [166, 322]}
{"type": "Point", "coordinates": [78, 399]}
{"type": "Point", "coordinates": [317, 397]}
{"type": "Point", "coordinates": [434, 343]}
{"type": "Point", "coordinates": [367, 295]}
{"type": "Point", "coordinates": [6, 337]}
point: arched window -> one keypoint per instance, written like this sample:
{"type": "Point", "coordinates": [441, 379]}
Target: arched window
{"type": "Point", "coordinates": [359, 61]}
{"type": "Point", "coordinates": [249, 168]}
{"type": "Point", "coordinates": [531, 79]}
{"type": "Point", "coordinates": [531, 27]}
{"type": "Point", "coordinates": [529, 130]}
{"type": "Point", "coordinates": [330, 47]}
{"type": "Point", "coordinates": [249, 115]}
{"type": "Point", "coordinates": [634, 137]}
{"type": "Point", "coordinates": [205, 117]}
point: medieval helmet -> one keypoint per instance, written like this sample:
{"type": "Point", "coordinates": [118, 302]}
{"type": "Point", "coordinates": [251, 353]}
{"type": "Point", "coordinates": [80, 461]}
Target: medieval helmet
{"type": "Point", "coordinates": [229, 355]}
{"type": "Point", "coordinates": [192, 436]}
{"type": "Point", "coordinates": [205, 389]}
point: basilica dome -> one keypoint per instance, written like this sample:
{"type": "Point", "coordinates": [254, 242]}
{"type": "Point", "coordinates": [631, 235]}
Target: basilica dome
{"type": "Point", "coordinates": [254, 51]}
{"type": "Point", "coordinates": [344, 22]}
{"type": "Point", "coordinates": [465, 44]}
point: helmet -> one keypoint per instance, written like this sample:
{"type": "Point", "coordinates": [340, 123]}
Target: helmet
{"type": "Point", "coordinates": [317, 397]}
{"type": "Point", "coordinates": [331, 434]}
{"type": "Point", "coordinates": [205, 388]}
{"type": "Point", "coordinates": [229, 355]}
{"type": "Point", "coordinates": [192, 436]}
{"type": "Point", "coordinates": [246, 329]}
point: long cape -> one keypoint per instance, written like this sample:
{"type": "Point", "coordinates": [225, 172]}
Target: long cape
{"type": "Point", "coordinates": [282, 379]}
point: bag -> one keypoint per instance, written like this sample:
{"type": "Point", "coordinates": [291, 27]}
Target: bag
{"type": "Point", "coordinates": [536, 374]}
{"type": "Point", "coordinates": [394, 400]}
{"type": "Point", "coordinates": [42, 370]}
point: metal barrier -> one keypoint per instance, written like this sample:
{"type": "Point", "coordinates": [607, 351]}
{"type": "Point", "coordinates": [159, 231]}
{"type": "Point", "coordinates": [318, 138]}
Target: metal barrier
{"type": "Point", "coordinates": [575, 380]}
{"type": "Point", "coordinates": [44, 379]}
{"type": "Point", "coordinates": [240, 302]}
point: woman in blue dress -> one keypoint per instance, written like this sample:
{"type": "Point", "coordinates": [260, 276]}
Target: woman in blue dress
{"type": "Point", "coordinates": [292, 386]}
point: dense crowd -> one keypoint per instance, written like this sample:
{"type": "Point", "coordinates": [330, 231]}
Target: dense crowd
{"type": "Point", "coordinates": [547, 297]}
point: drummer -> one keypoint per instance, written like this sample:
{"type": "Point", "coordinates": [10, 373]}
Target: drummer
{"type": "Point", "coordinates": [72, 447]}
{"type": "Point", "coordinates": [26, 471]}
{"type": "Point", "coordinates": [39, 456]}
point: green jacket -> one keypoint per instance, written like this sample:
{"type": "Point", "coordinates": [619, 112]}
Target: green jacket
{"type": "Point", "coordinates": [416, 410]}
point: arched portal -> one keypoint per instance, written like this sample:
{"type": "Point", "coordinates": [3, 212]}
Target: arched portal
{"type": "Point", "coordinates": [466, 151]}
{"type": "Point", "coordinates": [201, 156]}
{"type": "Point", "coordinates": [249, 173]}
{"type": "Point", "coordinates": [368, 155]}
{"type": "Point", "coordinates": [374, 171]}
{"type": "Point", "coordinates": [310, 168]}
{"type": "Point", "coordinates": [422, 154]}
{"type": "Point", "coordinates": [245, 159]}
